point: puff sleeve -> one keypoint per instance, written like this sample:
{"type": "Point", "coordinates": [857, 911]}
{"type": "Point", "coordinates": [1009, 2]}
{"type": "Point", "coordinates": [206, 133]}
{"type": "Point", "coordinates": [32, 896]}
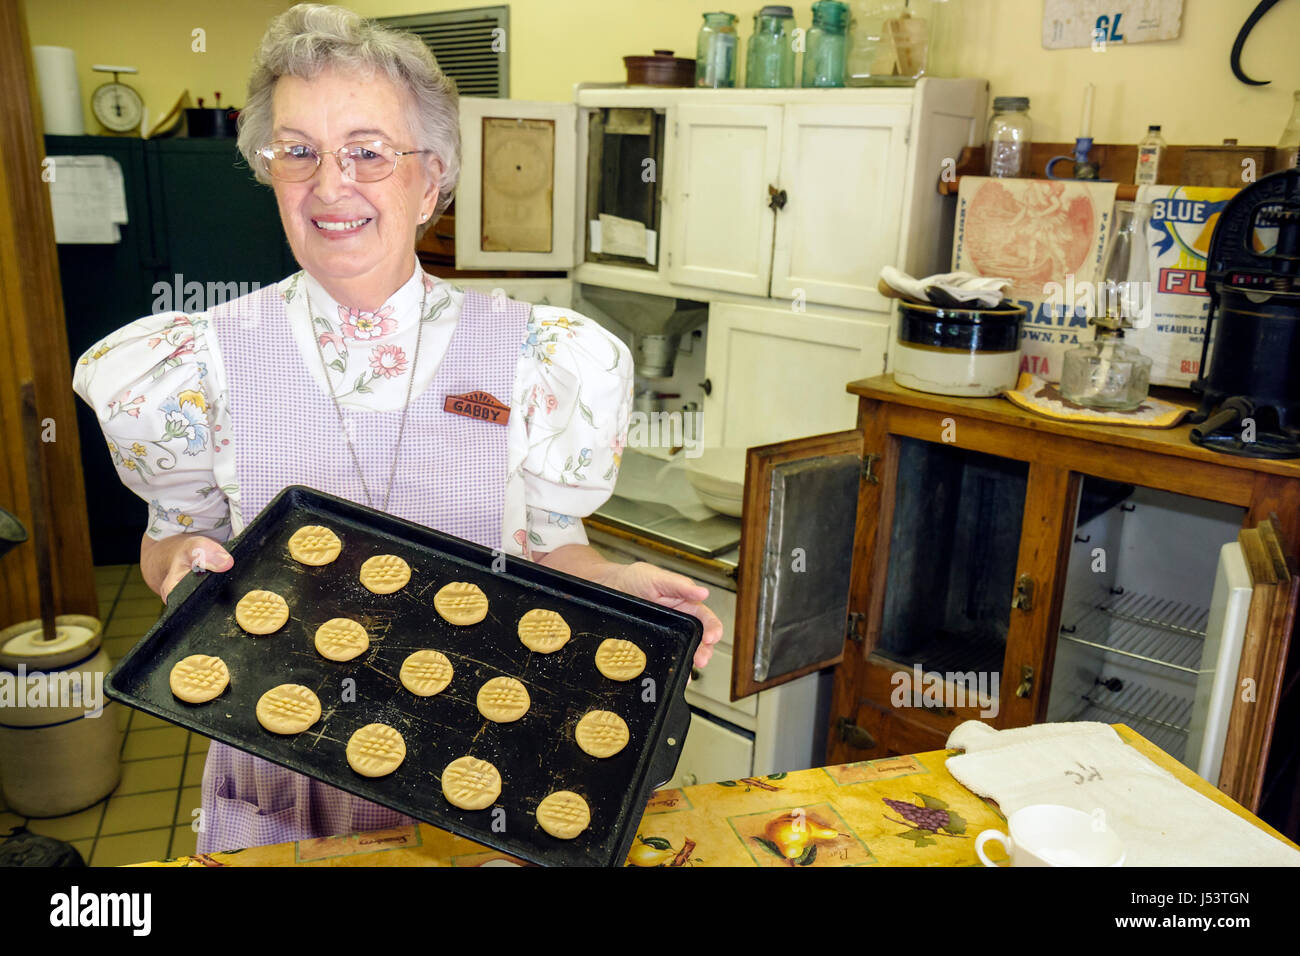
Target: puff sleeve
{"type": "Point", "coordinates": [573, 396]}
{"type": "Point", "coordinates": [152, 388]}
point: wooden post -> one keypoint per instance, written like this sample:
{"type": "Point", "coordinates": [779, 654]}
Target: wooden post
{"type": "Point", "coordinates": [34, 346]}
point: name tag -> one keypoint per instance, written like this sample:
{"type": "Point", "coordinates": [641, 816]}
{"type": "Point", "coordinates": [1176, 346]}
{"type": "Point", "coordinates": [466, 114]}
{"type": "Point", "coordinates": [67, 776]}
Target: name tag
{"type": "Point", "coordinates": [478, 405]}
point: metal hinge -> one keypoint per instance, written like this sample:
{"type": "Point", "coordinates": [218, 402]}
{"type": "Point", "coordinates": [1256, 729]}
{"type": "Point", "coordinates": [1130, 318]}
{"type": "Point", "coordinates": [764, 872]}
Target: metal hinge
{"type": "Point", "coordinates": [853, 735]}
{"type": "Point", "coordinates": [1023, 599]}
{"type": "Point", "coordinates": [854, 628]}
{"type": "Point", "coordinates": [868, 463]}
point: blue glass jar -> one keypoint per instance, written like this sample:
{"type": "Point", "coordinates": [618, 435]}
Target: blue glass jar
{"type": "Point", "coordinates": [715, 52]}
{"type": "Point", "coordinates": [823, 58]}
{"type": "Point", "coordinates": [769, 63]}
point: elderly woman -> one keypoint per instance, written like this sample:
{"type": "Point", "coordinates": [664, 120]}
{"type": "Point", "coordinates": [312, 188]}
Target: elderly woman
{"type": "Point", "coordinates": [336, 377]}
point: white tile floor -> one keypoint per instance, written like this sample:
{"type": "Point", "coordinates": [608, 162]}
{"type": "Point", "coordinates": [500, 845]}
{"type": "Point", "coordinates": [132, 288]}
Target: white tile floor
{"type": "Point", "coordinates": [148, 816]}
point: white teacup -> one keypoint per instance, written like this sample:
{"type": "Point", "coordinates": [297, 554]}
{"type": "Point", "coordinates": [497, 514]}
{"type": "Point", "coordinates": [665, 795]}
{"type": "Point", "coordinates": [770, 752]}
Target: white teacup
{"type": "Point", "coordinates": [1049, 835]}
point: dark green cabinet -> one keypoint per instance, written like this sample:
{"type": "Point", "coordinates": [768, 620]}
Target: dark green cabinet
{"type": "Point", "coordinates": [196, 215]}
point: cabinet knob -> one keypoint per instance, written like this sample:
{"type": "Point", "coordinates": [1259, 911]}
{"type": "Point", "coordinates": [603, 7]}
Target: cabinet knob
{"type": "Point", "coordinates": [1026, 686]}
{"type": "Point", "coordinates": [696, 673]}
{"type": "Point", "coordinates": [777, 198]}
{"type": "Point", "coordinates": [707, 385]}
{"type": "Point", "coordinates": [689, 780]}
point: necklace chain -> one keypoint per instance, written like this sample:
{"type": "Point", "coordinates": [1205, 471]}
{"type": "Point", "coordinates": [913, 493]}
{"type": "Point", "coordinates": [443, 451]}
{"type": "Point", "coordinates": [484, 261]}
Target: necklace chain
{"type": "Point", "coordinates": [410, 384]}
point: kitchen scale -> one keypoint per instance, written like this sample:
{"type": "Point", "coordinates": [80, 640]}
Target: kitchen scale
{"type": "Point", "coordinates": [118, 107]}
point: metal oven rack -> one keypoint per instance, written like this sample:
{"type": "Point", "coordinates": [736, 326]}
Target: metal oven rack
{"type": "Point", "coordinates": [1156, 631]}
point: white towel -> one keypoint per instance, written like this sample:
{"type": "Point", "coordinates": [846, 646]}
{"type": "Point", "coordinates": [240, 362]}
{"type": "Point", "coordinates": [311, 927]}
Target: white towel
{"type": "Point", "coordinates": [978, 292]}
{"type": "Point", "coordinates": [1085, 765]}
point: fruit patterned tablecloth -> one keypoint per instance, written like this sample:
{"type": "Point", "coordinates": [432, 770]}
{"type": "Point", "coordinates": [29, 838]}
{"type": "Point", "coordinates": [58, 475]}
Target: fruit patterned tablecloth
{"type": "Point", "coordinates": [899, 811]}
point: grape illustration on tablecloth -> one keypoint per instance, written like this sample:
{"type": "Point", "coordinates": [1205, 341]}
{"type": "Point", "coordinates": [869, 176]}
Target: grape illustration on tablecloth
{"type": "Point", "coordinates": [932, 817]}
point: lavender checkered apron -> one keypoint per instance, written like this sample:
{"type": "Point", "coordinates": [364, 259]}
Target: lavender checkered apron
{"type": "Point", "coordinates": [450, 476]}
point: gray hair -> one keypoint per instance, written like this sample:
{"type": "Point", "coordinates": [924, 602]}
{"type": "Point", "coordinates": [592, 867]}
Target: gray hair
{"type": "Point", "coordinates": [310, 38]}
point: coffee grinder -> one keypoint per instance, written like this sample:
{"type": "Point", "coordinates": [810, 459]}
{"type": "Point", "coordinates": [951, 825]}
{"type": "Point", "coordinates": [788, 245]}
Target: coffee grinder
{"type": "Point", "coordinates": [1250, 360]}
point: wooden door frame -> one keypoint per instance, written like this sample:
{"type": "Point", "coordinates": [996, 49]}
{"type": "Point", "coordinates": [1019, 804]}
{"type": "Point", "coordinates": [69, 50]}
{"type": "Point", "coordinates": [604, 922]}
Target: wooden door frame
{"type": "Point", "coordinates": [35, 346]}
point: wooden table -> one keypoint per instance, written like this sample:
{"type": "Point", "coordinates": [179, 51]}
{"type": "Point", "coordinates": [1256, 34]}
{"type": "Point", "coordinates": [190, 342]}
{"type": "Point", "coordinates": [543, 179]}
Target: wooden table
{"type": "Point", "coordinates": [847, 809]}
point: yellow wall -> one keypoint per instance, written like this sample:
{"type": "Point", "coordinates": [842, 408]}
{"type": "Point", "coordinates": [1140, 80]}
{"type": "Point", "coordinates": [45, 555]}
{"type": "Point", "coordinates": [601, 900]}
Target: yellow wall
{"type": "Point", "coordinates": [155, 36]}
{"type": "Point", "coordinates": [1183, 84]}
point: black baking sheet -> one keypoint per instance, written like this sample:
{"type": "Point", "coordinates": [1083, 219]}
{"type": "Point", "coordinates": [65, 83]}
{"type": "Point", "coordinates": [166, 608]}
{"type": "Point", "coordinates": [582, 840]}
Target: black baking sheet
{"type": "Point", "coordinates": [535, 754]}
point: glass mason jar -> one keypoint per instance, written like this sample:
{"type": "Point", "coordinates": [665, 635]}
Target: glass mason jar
{"type": "Point", "coordinates": [1010, 135]}
{"type": "Point", "coordinates": [823, 58]}
{"type": "Point", "coordinates": [769, 63]}
{"type": "Point", "coordinates": [715, 52]}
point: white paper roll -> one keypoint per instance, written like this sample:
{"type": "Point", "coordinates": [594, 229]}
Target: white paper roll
{"type": "Point", "coordinates": [56, 76]}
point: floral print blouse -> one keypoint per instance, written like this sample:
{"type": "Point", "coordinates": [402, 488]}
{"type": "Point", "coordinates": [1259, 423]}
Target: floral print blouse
{"type": "Point", "coordinates": [159, 390]}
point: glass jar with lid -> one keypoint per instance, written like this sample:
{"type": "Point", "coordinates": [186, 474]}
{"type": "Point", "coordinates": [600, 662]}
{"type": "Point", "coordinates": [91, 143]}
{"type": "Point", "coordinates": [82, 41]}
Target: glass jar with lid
{"type": "Point", "coordinates": [770, 57]}
{"type": "Point", "coordinates": [823, 58]}
{"type": "Point", "coordinates": [1010, 136]}
{"type": "Point", "coordinates": [715, 52]}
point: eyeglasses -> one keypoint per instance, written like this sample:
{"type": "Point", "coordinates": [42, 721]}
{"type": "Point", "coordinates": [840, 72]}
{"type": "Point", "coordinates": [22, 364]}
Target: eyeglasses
{"type": "Point", "coordinates": [363, 162]}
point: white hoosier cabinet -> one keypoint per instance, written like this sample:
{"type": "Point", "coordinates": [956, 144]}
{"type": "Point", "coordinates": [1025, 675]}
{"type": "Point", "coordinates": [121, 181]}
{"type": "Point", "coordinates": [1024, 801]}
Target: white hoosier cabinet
{"type": "Point", "coordinates": [776, 208]}
{"type": "Point", "coordinates": [771, 212]}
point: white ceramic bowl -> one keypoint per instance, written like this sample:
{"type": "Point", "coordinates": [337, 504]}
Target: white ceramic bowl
{"type": "Point", "coordinates": [718, 477]}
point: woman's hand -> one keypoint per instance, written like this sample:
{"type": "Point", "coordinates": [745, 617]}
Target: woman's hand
{"type": "Point", "coordinates": [163, 563]}
{"type": "Point", "coordinates": [642, 580]}
{"type": "Point", "coordinates": [672, 590]}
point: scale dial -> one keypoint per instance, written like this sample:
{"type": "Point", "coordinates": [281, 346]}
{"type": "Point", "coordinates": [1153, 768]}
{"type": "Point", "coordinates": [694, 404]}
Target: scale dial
{"type": "Point", "coordinates": [517, 168]}
{"type": "Point", "coordinates": [117, 106]}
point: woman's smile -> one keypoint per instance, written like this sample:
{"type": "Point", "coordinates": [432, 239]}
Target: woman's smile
{"type": "Point", "coordinates": [335, 227]}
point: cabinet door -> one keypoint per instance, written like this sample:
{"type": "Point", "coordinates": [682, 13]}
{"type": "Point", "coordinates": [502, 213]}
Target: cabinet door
{"type": "Point", "coordinates": [202, 194]}
{"type": "Point", "coordinates": [538, 291]}
{"type": "Point", "coordinates": [842, 169]}
{"type": "Point", "coordinates": [954, 518]}
{"type": "Point", "coordinates": [711, 753]}
{"type": "Point", "coordinates": [516, 205]}
{"type": "Point", "coordinates": [721, 225]}
{"type": "Point", "coordinates": [775, 374]}
{"type": "Point", "coordinates": [1275, 590]}
{"type": "Point", "coordinates": [796, 553]}
{"type": "Point", "coordinates": [104, 288]}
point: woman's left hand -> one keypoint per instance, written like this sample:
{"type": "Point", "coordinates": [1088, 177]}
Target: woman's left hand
{"type": "Point", "coordinates": [672, 590]}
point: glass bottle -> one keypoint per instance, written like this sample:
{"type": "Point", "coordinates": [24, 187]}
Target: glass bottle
{"type": "Point", "coordinates": [1288, 146]}
{"type": "Point", "coordinates": [1010, 136]}
{"type": "Point", "coordinates": [715, 52]}
{"type": "Point", "coordinates": [1108, 373]}
{"type": "Point", "coordinates": [1150, 151]}
{"type": "Point", "coordinates": [770, 60]}
{"type": "Point", "coordinates": [823, 58]}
